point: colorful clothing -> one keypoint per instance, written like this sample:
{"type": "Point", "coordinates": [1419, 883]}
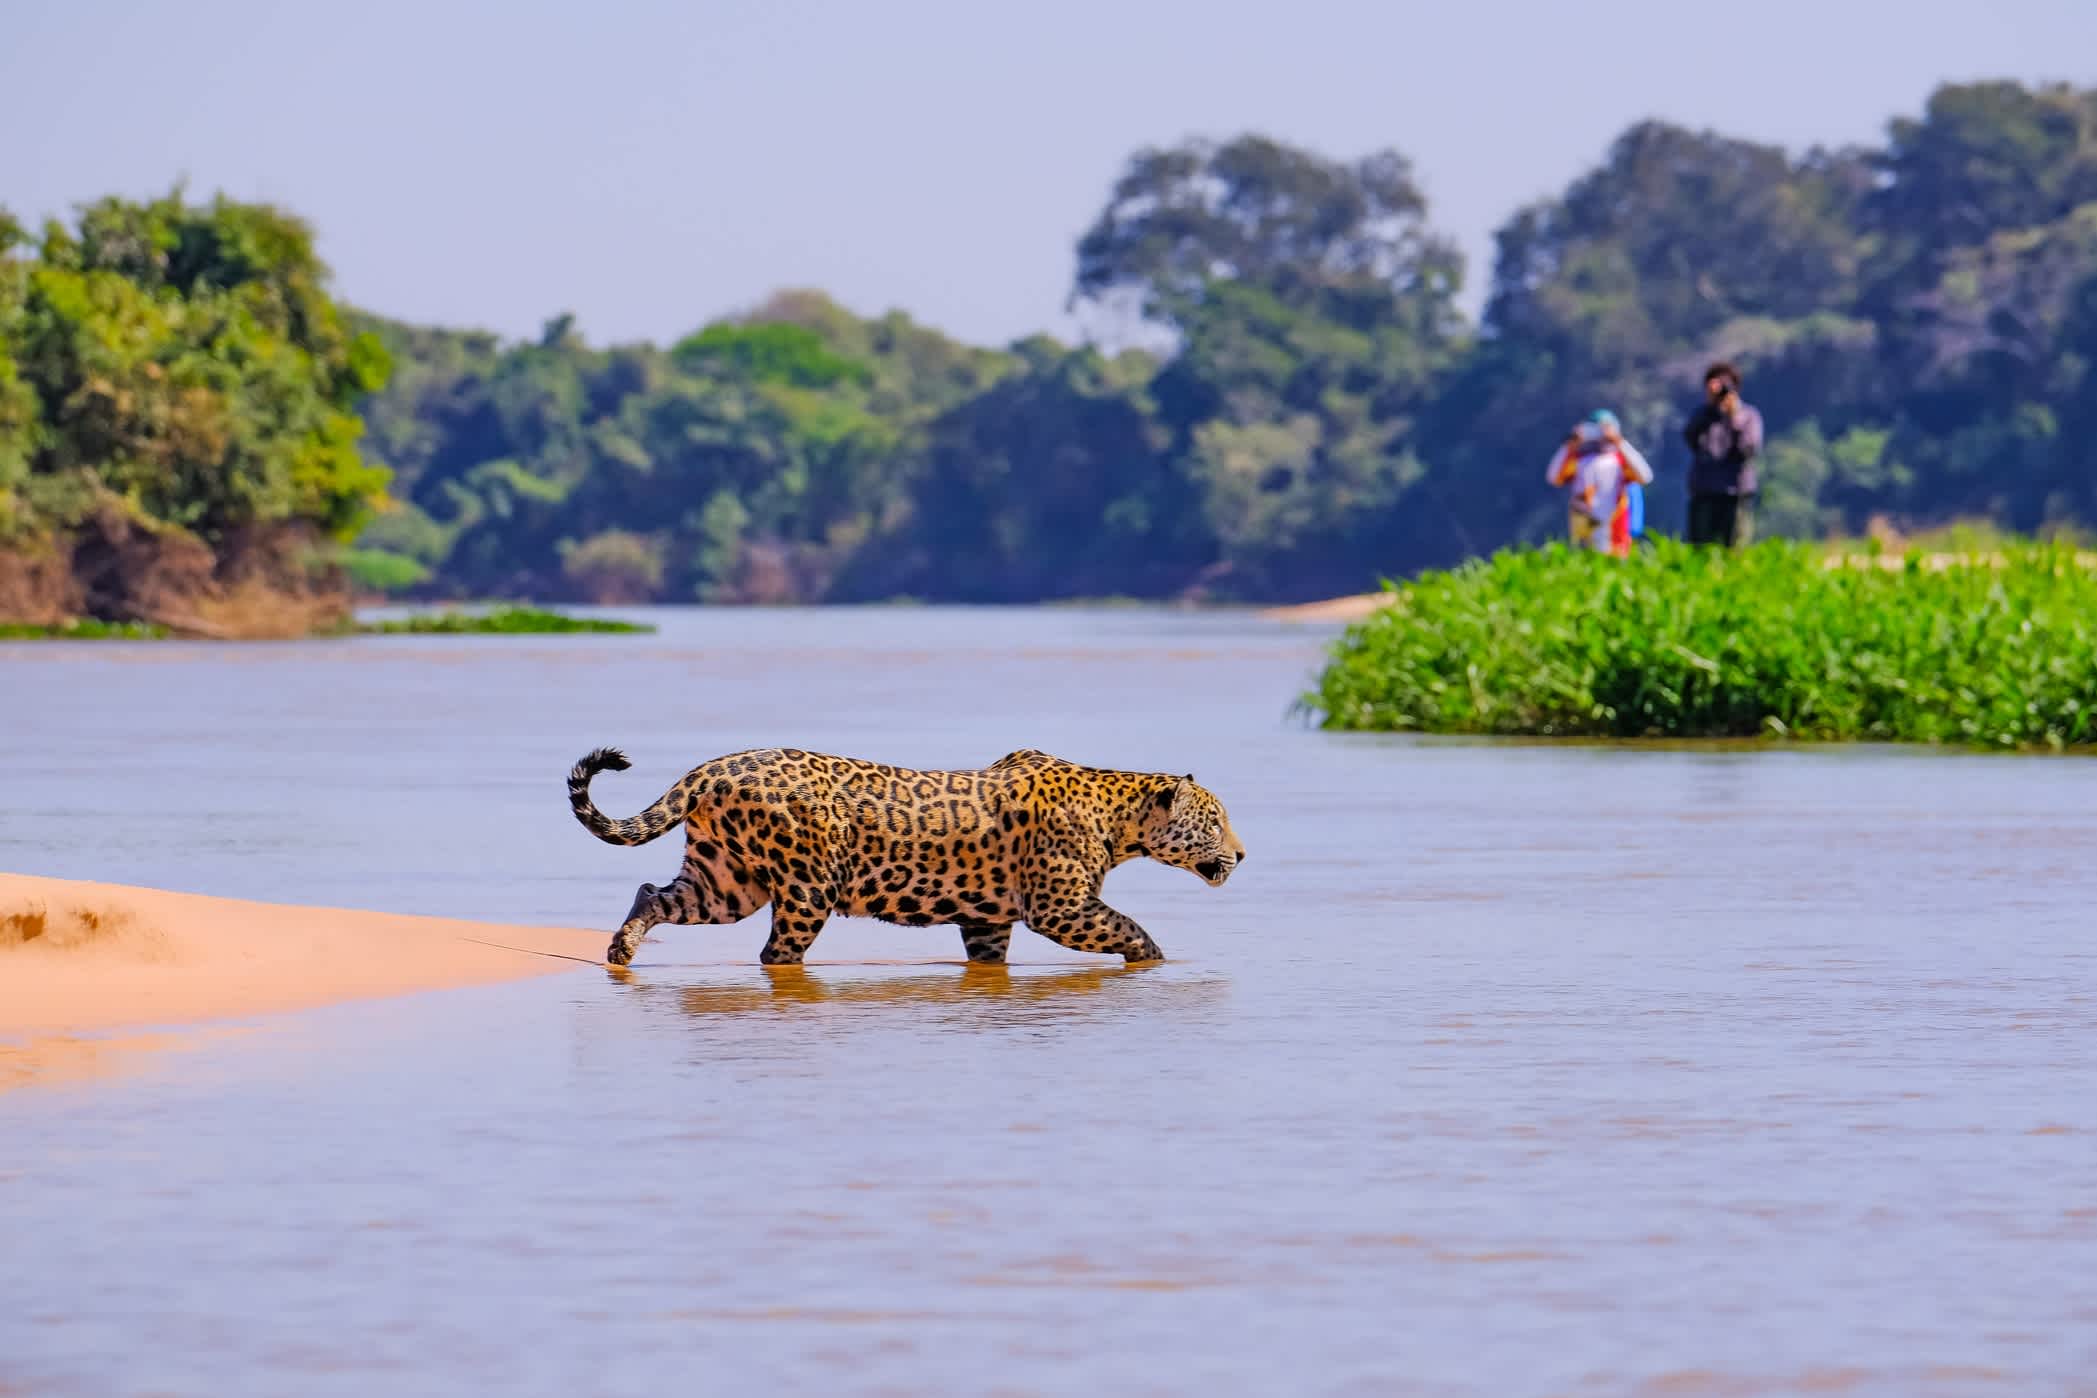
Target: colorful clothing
{"type": "Point", "coordinates": [1598, 515]}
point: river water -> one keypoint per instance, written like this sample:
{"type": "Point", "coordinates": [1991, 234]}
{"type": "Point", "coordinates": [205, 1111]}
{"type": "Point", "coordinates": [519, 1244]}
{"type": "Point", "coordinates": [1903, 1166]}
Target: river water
{"type": "Point", "coordinates": [1499, 1069]}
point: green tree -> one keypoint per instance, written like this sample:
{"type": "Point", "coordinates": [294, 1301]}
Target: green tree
{"type": "Point", "coordinates": [1183, 219]}
{"type": "Point", "coordinates": [1984, 158]}
{"type": "Point", "coordinates": [1049, 484]}
{"type": "Point", "coordinates": [187, 359]}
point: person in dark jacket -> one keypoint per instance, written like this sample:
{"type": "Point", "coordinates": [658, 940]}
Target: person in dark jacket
{"type": "Point", "coordinates": [1725, 437]}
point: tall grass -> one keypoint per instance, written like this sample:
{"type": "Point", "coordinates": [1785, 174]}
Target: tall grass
{"type": "Point", "coordinates": [1681, 643]}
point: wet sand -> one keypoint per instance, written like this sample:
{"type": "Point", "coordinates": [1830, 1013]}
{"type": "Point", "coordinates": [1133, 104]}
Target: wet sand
{"type": "Point", "coordinates": [80, 962]}
{"type": "Point", "coordinates": [1354, 608]}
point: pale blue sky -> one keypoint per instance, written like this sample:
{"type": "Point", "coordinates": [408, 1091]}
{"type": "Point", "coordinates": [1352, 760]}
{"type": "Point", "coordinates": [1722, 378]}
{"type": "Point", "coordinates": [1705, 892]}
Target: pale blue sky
{"type": "Point", "coordinates": [650, 165]}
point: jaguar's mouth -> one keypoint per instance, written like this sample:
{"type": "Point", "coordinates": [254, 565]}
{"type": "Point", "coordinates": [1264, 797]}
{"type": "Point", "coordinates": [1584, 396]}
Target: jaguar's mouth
{"type": "Point", "coordinates": [1214, 870]}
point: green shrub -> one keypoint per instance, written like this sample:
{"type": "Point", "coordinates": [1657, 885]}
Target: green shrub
{"type": "Point", "coordinates": [1676, 642]}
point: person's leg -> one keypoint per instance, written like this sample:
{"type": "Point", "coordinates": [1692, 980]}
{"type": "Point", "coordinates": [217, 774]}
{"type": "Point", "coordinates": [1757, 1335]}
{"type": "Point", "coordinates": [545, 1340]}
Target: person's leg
{"type": "Point", "coordinates": [1743, 520]}
{"type": "Point", "coordinates": [1699, 518]}
{"type": "Point", "coordinates": [1725, 518]}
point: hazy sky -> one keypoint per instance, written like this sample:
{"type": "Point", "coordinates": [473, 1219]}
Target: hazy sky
{"type": "Point", "coordinates": [651, 164]}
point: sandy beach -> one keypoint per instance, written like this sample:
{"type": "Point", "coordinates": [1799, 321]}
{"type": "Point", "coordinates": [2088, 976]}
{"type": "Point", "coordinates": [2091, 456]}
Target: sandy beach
{"type": "Point", "coordinates": [1353, 608]}
{"type": "Point", "coordinates": [86, 969]}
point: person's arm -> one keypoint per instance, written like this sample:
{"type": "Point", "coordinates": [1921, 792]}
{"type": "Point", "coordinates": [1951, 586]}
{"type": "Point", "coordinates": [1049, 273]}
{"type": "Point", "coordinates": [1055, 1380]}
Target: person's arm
{"type": "Point", "coordinates": [1693, 434]}
{"type": "Point", "coordinates": [1635, 465]}
{"type": "Point", "coordinates": [1747, 434]}
{"type": "Point", "coordinates": [1563, 464]}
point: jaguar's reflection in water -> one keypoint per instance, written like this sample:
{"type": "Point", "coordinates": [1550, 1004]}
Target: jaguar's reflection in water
{"type": "Point", "coordinates": [991, 993]}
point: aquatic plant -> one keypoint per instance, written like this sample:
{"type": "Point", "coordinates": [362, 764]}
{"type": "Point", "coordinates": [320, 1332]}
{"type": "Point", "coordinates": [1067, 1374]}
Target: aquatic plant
{"type": "Point", "coordinates": [503, 621]}
{"type": "Point", "coordinates": [84, 629]}
{"type": "Point", "coordinates": [1770, 641]}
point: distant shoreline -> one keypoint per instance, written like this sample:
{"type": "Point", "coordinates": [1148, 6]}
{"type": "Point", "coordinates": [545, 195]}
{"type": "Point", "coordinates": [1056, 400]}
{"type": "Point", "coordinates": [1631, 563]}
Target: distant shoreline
{"type": "Point", "coordinates": [506, 618]}
{"type": "Point", "coordinates": [489, 619]}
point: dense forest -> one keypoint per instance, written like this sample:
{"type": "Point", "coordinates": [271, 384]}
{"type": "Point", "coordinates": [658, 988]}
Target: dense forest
{"type": "Point", "coordinates": [1917, 322]}
{"type": "Point", "coordinates": [179, 439]}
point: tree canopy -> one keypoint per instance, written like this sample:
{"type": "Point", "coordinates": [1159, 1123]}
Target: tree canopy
{"type": "Point", "coordinates": [185, 362]}
{"type": "Point", "coordinates": [1253, 211]}
{"type": "Point", "coordinates": [1917, 321]}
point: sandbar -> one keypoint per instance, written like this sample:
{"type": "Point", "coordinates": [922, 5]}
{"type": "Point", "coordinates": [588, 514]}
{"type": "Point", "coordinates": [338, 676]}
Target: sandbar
{"type": "Point", "coordinates": [83, 963]}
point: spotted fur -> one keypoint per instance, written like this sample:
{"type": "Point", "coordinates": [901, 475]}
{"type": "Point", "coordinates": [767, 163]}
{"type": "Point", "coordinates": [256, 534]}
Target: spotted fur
{"type": "Point", "coordinates": [1027, 839]}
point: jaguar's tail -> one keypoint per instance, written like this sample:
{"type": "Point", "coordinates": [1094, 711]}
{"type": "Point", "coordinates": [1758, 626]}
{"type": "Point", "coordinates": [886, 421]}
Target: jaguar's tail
{"type": "Point", "coordinates": [667, 813]}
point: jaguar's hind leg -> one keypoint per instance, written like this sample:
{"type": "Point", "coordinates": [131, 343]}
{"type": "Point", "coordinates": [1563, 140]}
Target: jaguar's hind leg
{"type": "Point", "coordinates": [795, 923]}
{"type": "Point", "coordinates": [693, 898]}
{"type": "Point", "coordinates": [986, 942]}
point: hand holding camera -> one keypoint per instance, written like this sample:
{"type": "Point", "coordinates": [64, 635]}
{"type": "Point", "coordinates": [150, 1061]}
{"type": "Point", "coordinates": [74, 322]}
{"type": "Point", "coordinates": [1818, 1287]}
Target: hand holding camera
{"type": "Point", "coordinates": [1724, 395]}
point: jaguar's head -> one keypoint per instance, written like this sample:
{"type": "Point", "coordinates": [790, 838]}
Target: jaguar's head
{"type": "Point", "coordinates": [1187, 827]}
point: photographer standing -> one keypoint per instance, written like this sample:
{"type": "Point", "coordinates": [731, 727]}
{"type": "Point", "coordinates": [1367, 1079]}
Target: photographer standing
{"type": "Point", "coordinates": [1601, 469]}
{"type": "Point", "coordinates": [1725, 437]}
